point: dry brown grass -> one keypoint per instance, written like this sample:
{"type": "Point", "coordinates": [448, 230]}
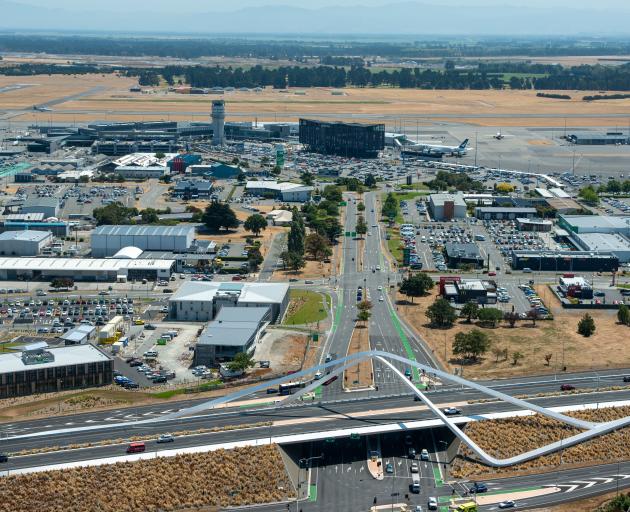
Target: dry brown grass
{"type": "Point", "coordinates": [360, 376]}
{"type": "Point", "coordinates": [243, 476]}
{"type": "Point", "coordinates": [607, 348]}
{"type": "Point", "coordinates": [115, 102]}
{"type": "Point", "coordinates": [511, 436]}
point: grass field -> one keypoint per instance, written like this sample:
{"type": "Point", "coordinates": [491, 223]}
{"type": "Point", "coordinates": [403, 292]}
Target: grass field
{"type": "Point", "coordinates": [115, 102]}
{"type": "Point", "coordinates": [306, 307]}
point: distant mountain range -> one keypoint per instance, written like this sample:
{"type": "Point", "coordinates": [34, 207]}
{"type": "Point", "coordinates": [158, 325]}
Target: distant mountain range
{"type": "Point", "coordinates": [410, 17]}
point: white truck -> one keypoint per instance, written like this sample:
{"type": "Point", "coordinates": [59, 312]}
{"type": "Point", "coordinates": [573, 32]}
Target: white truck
{"type": "Point", "coordinates": [415, 483]}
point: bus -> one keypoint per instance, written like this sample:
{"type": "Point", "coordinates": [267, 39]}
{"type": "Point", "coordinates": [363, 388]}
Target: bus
{"type": "Point", "coordinates": [288, 388]}
{"type": "Point", "coordinates": [136, 447]}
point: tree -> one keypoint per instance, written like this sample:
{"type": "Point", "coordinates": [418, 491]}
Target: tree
{"type": "Point", "coordinates": [533, 315]}
{"type": "Point", "coordinates": [361, 207]}
{"type": "Point", "coordinates": [516, 357]}
{"type": "Point", "coordinates": [297, 233]}
{"type": "Point", "coordinates": [471, 345]}
{"type": "Point", "coordinates": [586, 326]}
{"type": "Point", "coordinates": [307, 178]}
{"type": "Point", "coordinates": [589, 195]}
{"type": "Point", "coordinates": [504, 188]}
{"type": "Point", "coordinates": [441, 313]}
{"type": "Point", "coordinates": [548, 359]}
{"type": "Point", "coordinates": [219, 215]}
{"type": "Point", "coordinates": [370, 181]}
{"type": "Point", "coordinates": [295, 261]}
{"type": "Point", "coordinates": [416, 285]}
{"type": "Point", "coordinates": [332, 229]}
{"type": "Point", "coordinates": [511, 317]}
{"type": "Point", "coordinates": [489, 317]}
{"type": "Point", "coordinates": [84, 179]}
{"type": "Point", "coordinates": [255, 223]}
{"type": "Point", "coordinates": [332, 193]}
{"type": "Point", "coordinates": [241, 362]}
{"type": "Point", "coordinates": [114, 214]}
{"type": "Point", "coordinates": [317, 246]}
{"type": "Point", "coordinates": [361, 226]}
{"type": "Point", "coordinates": [364, 305]}
{"type": "Point", "coordinates": [470, 311]}
{"type": "Point", "coordinates": [364, 316]}
{"type": "Point", "coordinates": [623, 315]}
{"type": "Point", "coordinates": [254, 258]}
{"type": "Point", "coordinates": [276, 171]}
{"type": "Point", "coordinates": [149, 216]}
{"type": "Point", "coordinates": [390, 207]}
{"type": "Point", "coordinates": [497, 352]}
{"type": "Point", "coordinates": [613, 186]}
{"type": "Point", "coordinates": [242, 177]}
{"type": "Point", "coordinates": [159, 155]}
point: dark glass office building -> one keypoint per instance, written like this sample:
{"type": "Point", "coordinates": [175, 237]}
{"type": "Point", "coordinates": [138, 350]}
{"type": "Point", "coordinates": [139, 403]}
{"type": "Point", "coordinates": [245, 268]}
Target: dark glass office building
{"type": "Point", "coordinates": [342, 139]}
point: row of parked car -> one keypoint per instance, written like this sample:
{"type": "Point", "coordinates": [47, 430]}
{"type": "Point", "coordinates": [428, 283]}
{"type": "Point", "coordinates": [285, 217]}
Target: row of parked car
{"type": "Point", "coordinates": [534, 300]}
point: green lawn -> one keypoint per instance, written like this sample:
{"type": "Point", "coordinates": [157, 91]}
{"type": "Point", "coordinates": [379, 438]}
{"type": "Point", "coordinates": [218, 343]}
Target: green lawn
{"type": "Point", "coordinates": [310, 307]}
{"type": "Point", "coordinates": [393, 244]}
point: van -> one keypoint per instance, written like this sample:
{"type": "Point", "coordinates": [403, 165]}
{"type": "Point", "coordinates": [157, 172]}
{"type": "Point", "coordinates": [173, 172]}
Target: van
{"type": "Point", "coordinates": [527, 270]}
{"type": "Point", "coordinates": [137, 447]}
{"type": "Point", "coordinates": [415, 483]}
{"type": "Point", "coordinates": [480, 238]}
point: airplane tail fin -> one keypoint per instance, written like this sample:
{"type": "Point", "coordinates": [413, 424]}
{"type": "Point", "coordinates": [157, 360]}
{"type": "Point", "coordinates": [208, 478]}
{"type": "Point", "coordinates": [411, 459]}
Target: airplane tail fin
{"type": "Point", "coordinates": [463, 144]}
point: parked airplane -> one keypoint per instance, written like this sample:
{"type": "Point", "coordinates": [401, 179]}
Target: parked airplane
{"type": "Point", "coordinates": [42, 109]}
{"type": "Point", "coordinates": [439, 150]}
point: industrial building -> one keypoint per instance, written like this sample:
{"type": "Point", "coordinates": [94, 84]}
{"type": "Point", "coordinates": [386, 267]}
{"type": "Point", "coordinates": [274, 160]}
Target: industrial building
{"type": "Point", "coordinates": [564, 261]}
{"type": "Point", "coordinates": [447, 206]}
{"type": "Point", "coordinates": [504, 213]}
{"type": "Point", "coordinates": [575, 286]}
{"type": "Point", "coordinates": [598, 138]}
{"type": "Point", "coordinates": [108, 240]}
{"type": "Point", "coordinates": [234, 330]}
{"type": "Point", "coordinates": [49, 206]}
{"type": "Point", "coordinates": [342, 139]}
{"type": "Point", "coordinates": [217, 170]}
{"type": "Point", "coordinates": [34, 222]}
{"type": "Point", "coordinates": [24, 243]}
{"type": "Point", "coordinates": [200, 301]}
{"type": "Point", "coordinates": [39, 369]}
{"type": "Point", "coordinates": [193, 189]}
{"type": "Point", "coordinates": [614, 243]}
{"type": "Point", "coordinates": [285, 191]}
{"type": "Point", "coordinates": [80, 269]}
{"type": "Point", "coordinates": [458, 254]}
{"type": "Point", "coordinates": [79, 335]}
{"type": "Point", "coordinates": [564, 205]}
{"type": "Point", "coordinates": [540, 225]}
{"type": "Point", "coordinates": [595, 224]}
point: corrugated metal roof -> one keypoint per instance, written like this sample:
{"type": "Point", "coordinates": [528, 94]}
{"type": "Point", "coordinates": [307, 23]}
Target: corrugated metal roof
{"type": "Point", "coordinates": [109, 230]}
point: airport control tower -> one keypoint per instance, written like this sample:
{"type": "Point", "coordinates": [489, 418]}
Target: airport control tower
{"type": "Point", "coordinates": [218, 122]}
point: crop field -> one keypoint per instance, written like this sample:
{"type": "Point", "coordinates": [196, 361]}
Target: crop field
{"type": "Point", "coordinates": [484, 108]}
{"type": "Point", "coordinates": [243, 476]}
{"type": "Point", "coordinates": [512, 436]}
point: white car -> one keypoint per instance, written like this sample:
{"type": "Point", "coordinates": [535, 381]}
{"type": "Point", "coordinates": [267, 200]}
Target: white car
{"type": "Point", "coordinates": [432, 504]}
{"type": "Point", "coordinates": [507, 504]}
{"type": "Point", "coordinates": [381, 299]}
{"type": "Point", "coordinates": [379, 288]}
{"type": "Point", "coordinates": [318, 375]}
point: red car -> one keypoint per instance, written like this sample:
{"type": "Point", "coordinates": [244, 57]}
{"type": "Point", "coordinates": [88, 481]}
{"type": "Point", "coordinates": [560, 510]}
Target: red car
{"type": "Point", "coordinates": [567, 387]}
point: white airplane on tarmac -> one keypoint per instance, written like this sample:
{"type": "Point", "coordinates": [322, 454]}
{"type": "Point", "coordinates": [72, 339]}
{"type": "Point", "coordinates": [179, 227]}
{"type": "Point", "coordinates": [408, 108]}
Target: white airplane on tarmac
{"type": "Point", "coordinates": [440, 150]}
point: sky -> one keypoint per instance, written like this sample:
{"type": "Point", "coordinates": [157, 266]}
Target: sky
{"type": "Point", "coordinates": [417, 17]}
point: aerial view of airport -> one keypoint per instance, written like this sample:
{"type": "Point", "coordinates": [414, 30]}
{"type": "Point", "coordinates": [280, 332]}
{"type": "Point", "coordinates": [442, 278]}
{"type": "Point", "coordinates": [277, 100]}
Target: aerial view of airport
{"type": "Point", "coordinates": [255, 270]}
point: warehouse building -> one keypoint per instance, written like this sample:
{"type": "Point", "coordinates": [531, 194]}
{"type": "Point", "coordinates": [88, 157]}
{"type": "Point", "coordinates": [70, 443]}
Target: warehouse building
{"type": "Point", "coordinates": [598, 138]}
{"type": "Point", "coordinates": [200, 301]}
{"type": "Point", "coordinates": [342, 139]}
{"type": "Point", "coordinates": [13, 223]}
{"type": "Point", "coordinates": [504, 213]}
{"type": "Point", "coordinates": [565, 261]}
{"type": "Point", "coordinates": [617, 244]}
{"type": "Point", "coordinates": [564, 205]}
{"type": "Point", "coordinates": [108, 240]}
{"type": "Point", "coordinates": [133, 172]}
{"type": "Point", "coordinates": [80, 269]}
{"type": "Point", "coordinates": [217, 170]}
{"type": "Point", "coordinates": [539, 225]}
{"type": "Point", "coordinates": [595, 224]}
{"type": "Point", "coordinates": [458, 254]}
{"type": "Point", "coordinates": [285, 191]}
{"type": "Point", "coordinates": [193, 189]}
{"type": "Point", "coordinates": [233, 330]}
{"type": "Point", "coordinates": [24, 243]}
{"type": "Point", "coordinates": [49, 206]}
{"type": "Point", "coordinates": [447, 206]}
{"type": "Point", "coordinates": [40, 369]}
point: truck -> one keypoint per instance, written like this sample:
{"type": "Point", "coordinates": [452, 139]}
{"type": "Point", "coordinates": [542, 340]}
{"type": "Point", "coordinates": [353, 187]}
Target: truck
{"type": "Point", "coordinates": [415, 483]}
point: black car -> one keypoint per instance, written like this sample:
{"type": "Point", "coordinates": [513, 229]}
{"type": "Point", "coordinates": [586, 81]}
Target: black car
{"type": "Point", "coordinates": [131, 385]}
{"type": "Point", "coordinates": [626, 378]}
{"type": "Point", "coordinates": [160, 379]}
{"type": "Point", "coordinates": [478, 488]}
{"type": "Point", "coordinates": [4, 457]}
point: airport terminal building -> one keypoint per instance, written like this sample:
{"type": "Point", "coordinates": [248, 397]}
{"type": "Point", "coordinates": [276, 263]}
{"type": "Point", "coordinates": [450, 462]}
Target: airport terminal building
{"type": "Point", "coordinates": [342, 139]}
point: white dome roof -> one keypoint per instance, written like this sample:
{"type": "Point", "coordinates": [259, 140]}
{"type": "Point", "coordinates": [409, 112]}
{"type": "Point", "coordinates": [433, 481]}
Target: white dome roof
{"type": "Point", "coordinates": [128, 253]}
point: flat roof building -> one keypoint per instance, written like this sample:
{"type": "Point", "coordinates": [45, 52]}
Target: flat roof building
{"type": "Point", "coordinates": [108, 240]}
{"type": "Point", "coordinates": [564, 205]}
{"type": "Point", "coordinates": [458, 254]}
{"type": "Point", "coordinates": [447, 206]}
{"type": "Point", "coordinates": [614, 243]}
{"type": "Point", "coordinates": [44, 370]}
{"type": "Point", "coordinates": [595, 223]}
{"type": "Point", "coordinates": [49, 206]}
{"type": "Point", "coordinates": [565, 261]}
{"type": "Point", "coordinates": [286, 191]}
{"type": "Point", "coordinates": [200, 301]}
{"type": "Point", "coordinates": [343, 139]}
{"type": "Point", "coordinates": [234, 330]}
{"type": "Point", "coordinates": [504, 213]}
{"type": "Point", "coordinates": [24, 243]}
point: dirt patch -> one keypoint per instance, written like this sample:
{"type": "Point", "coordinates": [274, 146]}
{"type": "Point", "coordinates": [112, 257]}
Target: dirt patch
{"type": "Point", "coordinates": [360, 376]}
{"type": "Point", "coordinates": [312, 270]}
{"type": "Point", "coordinates": [511, 436]}
{"type": "Point", "coordinates": [539, 142]}
{"type": "Point", "coordinates": [607, 348]}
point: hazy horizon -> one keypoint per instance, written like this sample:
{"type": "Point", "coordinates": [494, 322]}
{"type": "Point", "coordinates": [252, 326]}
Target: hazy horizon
{"type": "Point", "coordinates": [404, 17]}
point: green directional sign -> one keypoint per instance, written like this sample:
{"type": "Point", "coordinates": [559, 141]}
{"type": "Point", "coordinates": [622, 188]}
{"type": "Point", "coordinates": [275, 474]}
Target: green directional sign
{"type": "Point", "coordinates": [354, 233]}
{"type": "Point", "coordinates": [347, 233]}
{"type": "Point", "coordinates": [343, 203]}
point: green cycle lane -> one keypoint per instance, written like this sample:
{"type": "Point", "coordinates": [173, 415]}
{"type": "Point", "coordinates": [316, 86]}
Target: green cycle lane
{"type": "Point", "coordinates": [406, 345]}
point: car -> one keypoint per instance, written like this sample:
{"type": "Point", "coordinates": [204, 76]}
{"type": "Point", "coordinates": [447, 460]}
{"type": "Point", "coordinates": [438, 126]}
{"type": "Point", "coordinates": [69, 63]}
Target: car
{"type": "Point", "coordinates": [424, 454]}
{"type": "Point", "coordinates": [318, 375]}
{"type": "Point", "coordinates": [492, 273]}
{"type": "Point", "coordinates": [507, 504]}
{"type": "Point", "coordinates": [567, 387]}
{"type": "Point", "coordinates": [411, 452]}
{"type": "Point", "coordinates": [432, 504]}
{"type": "Point", "coordinates": [131, 385]}
{"type": "Point", "coordinates": [414, 467]}
{"type": "Point", "coordinates": [150, 327]}
{"type": "Point", "coordinates": [381, 299]}
{"type": "Point", "coordinates": [451, 411]}
{"type": "Point", "coordinates": [626, 378]}
{"type": "Point", "coordinates": [165, 438]}
{"type": "Point", "coordinates": [417, 508]}
{"type": "Point", "coordinates": [389, 468]}
{"type": "Point", "coordinates": [478, 487]}
{"type": "Point", "coordinates": [4, 457]}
